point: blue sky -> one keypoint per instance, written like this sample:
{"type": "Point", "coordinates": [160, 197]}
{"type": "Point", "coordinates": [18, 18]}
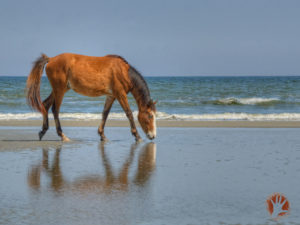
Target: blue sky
{"type": "Point", "coordinates": [225, 37]}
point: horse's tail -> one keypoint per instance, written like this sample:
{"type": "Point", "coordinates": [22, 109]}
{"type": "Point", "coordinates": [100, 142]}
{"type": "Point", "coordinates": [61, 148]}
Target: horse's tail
{"type": "Point", "coordinates": [33, 84]}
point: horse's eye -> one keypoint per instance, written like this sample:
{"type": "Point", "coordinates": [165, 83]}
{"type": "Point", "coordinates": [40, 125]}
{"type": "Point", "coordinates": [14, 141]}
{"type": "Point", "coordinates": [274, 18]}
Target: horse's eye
{"type": "Point", "coordinates": [150, 116]}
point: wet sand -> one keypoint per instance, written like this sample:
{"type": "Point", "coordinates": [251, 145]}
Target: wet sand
{"type": "Point", "coordinates": [160, 123]}
{"type": "Point", "coordinates": [186, 176]}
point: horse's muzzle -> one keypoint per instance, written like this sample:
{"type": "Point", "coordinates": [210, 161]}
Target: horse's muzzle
{"type": "Point", "coordinates": [151, 135]}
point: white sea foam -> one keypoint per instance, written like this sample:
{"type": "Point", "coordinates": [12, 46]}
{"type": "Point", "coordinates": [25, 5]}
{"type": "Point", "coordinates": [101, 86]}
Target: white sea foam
{"type": "Point", "coordinates": [246, 101]}
{"type": "Point", "coordinates": [160, 116]}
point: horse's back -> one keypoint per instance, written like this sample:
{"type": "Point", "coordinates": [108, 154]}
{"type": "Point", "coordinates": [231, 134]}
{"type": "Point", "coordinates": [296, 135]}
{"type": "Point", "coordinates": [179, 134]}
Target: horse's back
{"type": "Point", "coordinates": [89, 75]}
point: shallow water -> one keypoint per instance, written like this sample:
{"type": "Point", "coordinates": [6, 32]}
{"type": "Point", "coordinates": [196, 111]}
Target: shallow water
{"type": "Point", "coordinates": [187, 176]}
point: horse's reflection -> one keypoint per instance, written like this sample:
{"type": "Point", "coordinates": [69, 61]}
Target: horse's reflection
{"type": "Point", "coordinates": [96, 183]}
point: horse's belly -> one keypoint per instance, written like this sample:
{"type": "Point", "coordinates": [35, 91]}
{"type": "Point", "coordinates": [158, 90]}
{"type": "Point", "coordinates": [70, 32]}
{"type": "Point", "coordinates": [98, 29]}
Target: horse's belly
{"type": "Point", "coordinates": [91, 89]}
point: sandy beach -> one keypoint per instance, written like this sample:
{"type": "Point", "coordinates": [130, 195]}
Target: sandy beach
{"type": "Point", "coordinates": [186, 176]}
{"type": "Point", "coordinates": [160, 123]}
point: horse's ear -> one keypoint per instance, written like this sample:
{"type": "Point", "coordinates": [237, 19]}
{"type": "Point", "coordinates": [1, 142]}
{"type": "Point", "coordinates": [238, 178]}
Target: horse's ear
{"type": "Point", "coordinates": [151, 103]}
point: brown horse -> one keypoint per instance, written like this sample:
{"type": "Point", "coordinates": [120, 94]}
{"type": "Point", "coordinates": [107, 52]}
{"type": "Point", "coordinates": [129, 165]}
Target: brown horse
{"type": "Point", "coordinates": [110, 75]}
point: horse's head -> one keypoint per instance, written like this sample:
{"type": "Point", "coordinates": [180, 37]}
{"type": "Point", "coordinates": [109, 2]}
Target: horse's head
{"type": "Point", "coordinates": [147, 119]}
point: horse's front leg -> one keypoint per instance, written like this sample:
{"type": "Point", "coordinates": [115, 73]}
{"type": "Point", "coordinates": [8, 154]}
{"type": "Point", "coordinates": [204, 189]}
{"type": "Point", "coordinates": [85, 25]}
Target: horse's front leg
{"type": "Point", "coordinates": [108, 104]}
{"type": "Point", "coordinates": [124, 103]}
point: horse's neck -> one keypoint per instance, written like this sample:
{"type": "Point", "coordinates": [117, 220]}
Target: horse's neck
{"type": "Point", "coordinates": [140, 97]}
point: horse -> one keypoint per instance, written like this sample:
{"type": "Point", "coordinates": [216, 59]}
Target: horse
{"type": "Point", "coordinates": [110, 75]}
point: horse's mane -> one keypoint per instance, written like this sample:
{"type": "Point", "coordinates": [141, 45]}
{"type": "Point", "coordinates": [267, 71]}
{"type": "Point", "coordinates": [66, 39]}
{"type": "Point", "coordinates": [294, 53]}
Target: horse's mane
{"type": "Point", "coordinates": [138, 81]}
{"type": "Point", "coordinates": [119, 57]}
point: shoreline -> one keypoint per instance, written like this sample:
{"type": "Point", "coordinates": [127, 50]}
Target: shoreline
{"type": "Point", "coordinates": [160, 123]}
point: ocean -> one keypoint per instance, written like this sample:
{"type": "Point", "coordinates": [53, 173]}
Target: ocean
{"type": "Point", "coordinates": [178, 98]}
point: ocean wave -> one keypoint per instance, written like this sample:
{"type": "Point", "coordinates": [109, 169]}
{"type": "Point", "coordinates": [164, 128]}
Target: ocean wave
{"type": "Point", "coordinates": [245, 101]}
{"type": "Point", "coordinates": [160, 116]}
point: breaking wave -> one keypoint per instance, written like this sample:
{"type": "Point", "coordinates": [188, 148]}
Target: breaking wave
{"type": "Point", "coordinates": [160, 116]}
{"type": "Point", "coordinates": [246, 101]}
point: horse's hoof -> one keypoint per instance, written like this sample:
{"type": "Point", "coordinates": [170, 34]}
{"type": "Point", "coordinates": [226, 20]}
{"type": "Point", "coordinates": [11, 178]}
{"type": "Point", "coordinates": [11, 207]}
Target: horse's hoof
{"type": "Point", "coordinates": [138, 140]}
{"type": "Point", "coordinates": [104, 139]}
{"type": "Point", "coordinates": [41, 134]}
{"type": "Point", "coordinates": [65, 138]}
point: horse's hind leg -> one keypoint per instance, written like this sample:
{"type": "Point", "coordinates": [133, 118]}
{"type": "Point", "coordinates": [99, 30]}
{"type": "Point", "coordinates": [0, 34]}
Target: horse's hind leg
{"type": "Point", "coordinates": [55, 110]}
{"type": "Point", "coordinates": [108, 104]}
{"type": "Point", "coordinates": [47, 104]}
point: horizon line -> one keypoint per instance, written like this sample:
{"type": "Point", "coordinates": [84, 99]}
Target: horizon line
{"type": "Point", "coordinates": [211, 75]}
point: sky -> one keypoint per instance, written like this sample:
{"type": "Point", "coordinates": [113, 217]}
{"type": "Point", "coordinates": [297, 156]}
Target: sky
{"type": "Point", "coordinates": [159, 38]}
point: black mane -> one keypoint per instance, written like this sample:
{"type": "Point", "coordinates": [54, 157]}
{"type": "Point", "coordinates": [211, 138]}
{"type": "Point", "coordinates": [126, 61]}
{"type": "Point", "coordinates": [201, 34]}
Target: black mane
{"type": "Point", "coordinates": [138, 82]}
{"type": "Point", "coordinates": [119, 57]}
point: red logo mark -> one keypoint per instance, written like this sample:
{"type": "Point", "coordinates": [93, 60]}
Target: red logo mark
{"type": "Point", "coordinates": [278, 206]}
